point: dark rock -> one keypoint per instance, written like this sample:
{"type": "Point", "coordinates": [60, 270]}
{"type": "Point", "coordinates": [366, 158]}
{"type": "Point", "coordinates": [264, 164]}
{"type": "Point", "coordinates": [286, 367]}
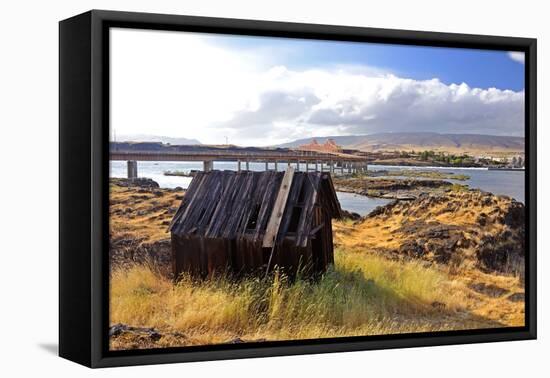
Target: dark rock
{"type": "Point", "coordinates": [117, 329]}
{"type": "Point", "coordinates": [350, 215]}
{"type": "Point", "coordinates": [412, 248]}
{"type": "Point", "coordinates": [490, 290]}
{"type": "Point", "coordinates": [155, 336]}
{"type": "Point", "coordinates": [482, 219]}
{"type": "Point", "coordinates": [442, 254]}
{"type": "Point", "coordinates": [487, 201]}
{"type": "Point", "coordinates": [238, 340]}
{"type": "Point", "coordinates": [517, 297]}
{"type": "Point", "coordinates": [128, 251]}
{"type": "Point", "coordinates": [141, 182]}
{"type": "Point", "coordinates": [139, 198]}
{"type": "Point", "coordinates": [515, 216]}
{"type": "Point", "coordinates": [499, 254]}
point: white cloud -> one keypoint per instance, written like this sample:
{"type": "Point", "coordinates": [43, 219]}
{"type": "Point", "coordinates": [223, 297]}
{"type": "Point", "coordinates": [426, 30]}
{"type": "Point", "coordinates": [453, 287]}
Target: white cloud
{"type": "Point", "coordinates": [180, 85]}
{"type": "Point", "coordinates": [517, 56]}
{"type": "Point", "coordinates": [320, 102]}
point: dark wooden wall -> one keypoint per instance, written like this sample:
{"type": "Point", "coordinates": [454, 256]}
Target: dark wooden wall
{"type": "Point", "coordinates": [204, 257]}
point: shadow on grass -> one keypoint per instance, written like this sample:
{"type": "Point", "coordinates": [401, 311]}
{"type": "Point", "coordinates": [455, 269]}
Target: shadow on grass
{"type": "Point", "coordinates": [409, 312]}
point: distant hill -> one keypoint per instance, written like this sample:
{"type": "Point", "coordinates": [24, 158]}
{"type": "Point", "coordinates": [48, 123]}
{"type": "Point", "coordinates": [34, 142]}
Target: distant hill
{"type": "Point", "coordinates": [156, 138]}
{"type": "Point", "coordinates": [420, 141]}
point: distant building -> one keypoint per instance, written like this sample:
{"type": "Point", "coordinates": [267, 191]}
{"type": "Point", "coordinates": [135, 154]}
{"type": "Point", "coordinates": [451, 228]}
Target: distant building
{"type": "Point", "coordinates": [329, 146]}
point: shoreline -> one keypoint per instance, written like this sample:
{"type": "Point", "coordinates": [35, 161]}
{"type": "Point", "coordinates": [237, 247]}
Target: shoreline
{"type": "Point", "coordinates": [503, 182]}
{"type": "Point", "coordinates": [507, 169]}
{"type": "Point", "coordinates": [394, 188]}
{"type": "Point", "coordinates": [415, 167]}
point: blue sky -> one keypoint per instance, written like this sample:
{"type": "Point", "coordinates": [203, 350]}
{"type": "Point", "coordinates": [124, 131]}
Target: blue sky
{"type": "Point", "coordinates": [266, 91]}
{"type": "Point", "coordinates": [477, 68]}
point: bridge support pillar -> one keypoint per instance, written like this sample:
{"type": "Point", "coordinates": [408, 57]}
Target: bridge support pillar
{"type": "Point", "coordinates": [363, 168]}
{"type": "Point", "coordinates": [238, 165]}
{"type": "Point", "coordinates": [207, 165]}
{"type": "Point", "coordinates": [247, 165]}
{"type": "Point", "coordinates": [275, 166]}
{"type": "Point", "coordinates": [307, 166]}
{"type": "Point", "coordinates": [132, 169]}
{"type": "Point", "coordinates": [316, 165]}
{"type": "Point", "coordinates": [331, 167]}
{"type": "Point", "coordinates": [266, 166]}
{"type": "Point", "coordinates": [298, 166]}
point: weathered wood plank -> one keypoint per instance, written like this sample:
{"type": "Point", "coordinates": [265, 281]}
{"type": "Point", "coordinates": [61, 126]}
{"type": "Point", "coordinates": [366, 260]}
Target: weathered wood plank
{"type": "Point", "coordinates": [306, 221]}
{"type": "Point", "coordinates": [314, 231]}
{"type": "Point", "coordinates": [266, 209]}
{"type": "Point", "coordinates": [278, 209]}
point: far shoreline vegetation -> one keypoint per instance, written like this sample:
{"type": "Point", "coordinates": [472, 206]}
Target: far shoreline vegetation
{"type": "Point", "coordinates": [439, 159]}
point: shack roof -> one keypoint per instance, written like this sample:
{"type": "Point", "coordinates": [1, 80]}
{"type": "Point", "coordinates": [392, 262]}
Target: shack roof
{"type": "Point", "coordinates": [230, 205]}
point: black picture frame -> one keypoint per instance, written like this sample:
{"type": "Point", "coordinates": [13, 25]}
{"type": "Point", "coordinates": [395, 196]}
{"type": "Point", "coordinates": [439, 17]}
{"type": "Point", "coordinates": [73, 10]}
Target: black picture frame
{"type": "Point", "coordinates": [83, 196]}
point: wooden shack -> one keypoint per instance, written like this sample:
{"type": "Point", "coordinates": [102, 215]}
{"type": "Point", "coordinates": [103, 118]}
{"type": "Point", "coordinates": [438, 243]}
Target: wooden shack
{"type": "Point", "coordinates": [251, 222]}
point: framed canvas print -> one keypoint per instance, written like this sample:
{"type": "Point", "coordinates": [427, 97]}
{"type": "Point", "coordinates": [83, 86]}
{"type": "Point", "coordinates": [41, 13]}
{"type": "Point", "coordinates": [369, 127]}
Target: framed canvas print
{"type": "Point", "coordinates": [236, 188]}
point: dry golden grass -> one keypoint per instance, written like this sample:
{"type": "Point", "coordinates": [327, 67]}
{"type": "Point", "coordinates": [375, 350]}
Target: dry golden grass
{"type": "Point", "coordinates": [483, 294]}
{"type": "Point", "coordinates": [144, 216]}
{"type": "Point", "coordinates": [379, 233]}
{"type": "Point", "coordinates": [364, 295]}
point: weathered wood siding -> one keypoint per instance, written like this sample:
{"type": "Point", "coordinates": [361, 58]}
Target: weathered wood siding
{"type": "Point", "coordinates": [222, 220]}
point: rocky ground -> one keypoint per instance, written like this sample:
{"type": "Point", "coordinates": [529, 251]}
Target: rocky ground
{"type": "Point", "coordinates": [140, 214]}
{"type": "Point", "coordinates": [476, 237]}
{"type": "Point", "coordinates": [467, 228]}
{"type": "Point", "coordinates": [427, 174]}
{"type": "Point", "coordinates": [392, 188]}
{"type": "Point", "coordinates": [124, 336]}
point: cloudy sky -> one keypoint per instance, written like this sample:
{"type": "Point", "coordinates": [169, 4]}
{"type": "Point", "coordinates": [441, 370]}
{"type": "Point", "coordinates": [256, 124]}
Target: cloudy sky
{"type": "Point", "coordinates": [265, 91]}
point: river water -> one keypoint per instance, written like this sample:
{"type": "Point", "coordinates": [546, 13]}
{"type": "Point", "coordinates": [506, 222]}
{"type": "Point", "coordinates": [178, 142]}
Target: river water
{"type": "Point", "coordinates": [510, 183]}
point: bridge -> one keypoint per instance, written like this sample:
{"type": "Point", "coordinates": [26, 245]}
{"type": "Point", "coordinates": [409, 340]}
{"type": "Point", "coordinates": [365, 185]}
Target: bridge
{"type": "Point", "coordinates": [306, 160]}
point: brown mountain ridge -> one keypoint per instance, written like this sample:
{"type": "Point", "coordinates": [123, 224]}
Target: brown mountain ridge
{"type": "Point", "coordinates": [420, 141]}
